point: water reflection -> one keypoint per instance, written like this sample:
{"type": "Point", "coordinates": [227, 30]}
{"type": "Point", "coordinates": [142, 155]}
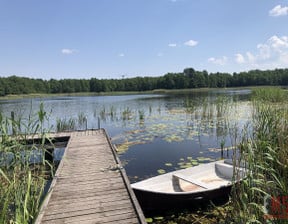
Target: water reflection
{"type": "Point", "coordinates": [35, 156]}
{"type": "Point", "coordinates": [152, 130]}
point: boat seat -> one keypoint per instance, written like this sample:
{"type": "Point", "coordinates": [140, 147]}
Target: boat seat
{"type": "Point", "coordinates": [225, 170]}
{"type": "Point", "coordinates": [190, 180]}
{"type": "Point", "coordinates": [230, 162]}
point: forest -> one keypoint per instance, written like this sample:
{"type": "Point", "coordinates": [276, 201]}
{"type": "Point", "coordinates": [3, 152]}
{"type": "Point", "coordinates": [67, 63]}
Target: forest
{"type": "Point", "coordinates": [189, 78]}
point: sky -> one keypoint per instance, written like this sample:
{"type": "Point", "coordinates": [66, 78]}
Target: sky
{"type": "Point", "coordinates": [81, 39]}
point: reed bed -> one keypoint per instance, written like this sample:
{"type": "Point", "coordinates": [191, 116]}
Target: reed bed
{"type": "Point", "coordinates": [22, 183]}
{"type": "Point", "coordinates": [264, 149]}
{"type": "Point", "coordinates": [262, 145]}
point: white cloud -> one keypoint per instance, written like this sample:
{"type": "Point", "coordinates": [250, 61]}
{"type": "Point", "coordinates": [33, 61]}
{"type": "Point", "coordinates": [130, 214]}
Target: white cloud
{"type": "Point", "coordinates": [172, 45]}
{"type": "Point", "coordinates": [263, 52]}
{"type": "Point", "coordinates": [160, 54]}
{"type": "Point", "coordinates": [121, 55]}
{"type": "Point", "coordinates": [278, 10]}
{"type": "Point", "coordinates": [284, 58]}
{"type": "Point", "coordinates": [68, 51]}
{"type": "Point", "coordinates": [270, 54]}
{"type": "Point", "coordinates": [191, 43]}
{"type": "Point", "coordinates": [278, 42]}
{"type": "Point", "coordinates": [274, 48]}
{"type": "Point", "coordinates": [250, 57]}
{"type": "Point", "coordinates": [239, 58]}
{"type": "Point", "coordinates": [218, 61]}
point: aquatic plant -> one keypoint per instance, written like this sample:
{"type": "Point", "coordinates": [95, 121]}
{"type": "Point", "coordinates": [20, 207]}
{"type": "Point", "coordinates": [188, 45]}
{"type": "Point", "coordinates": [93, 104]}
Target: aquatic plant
{"type": "Point", "coordinates": [150, 110]}
{"type": "Point", "coordinates": [161, 171]}
{"type": "Point", "coordinates": [22, 183]}
{"type": "Point", "coordinates": [141, 115]}
{"type": "Point", "coordinates": [269, 94]}
{"type": "Point", "coordinates": [65, 125]}
{"type": "Point", "coordinates": [112, 112]}
{"type": "Point", "coordinates": [127, 114]}
{"type": "Point", "coordinates": [222, 105]}
{"type": "Point", "coordinates": [190, 105]}
{"type": "Point", "coordinates": [103, 113]}
{"type": "Point", "coordinates": [82, 120]}
{"type": "Point", "coordinates": [264, 149]}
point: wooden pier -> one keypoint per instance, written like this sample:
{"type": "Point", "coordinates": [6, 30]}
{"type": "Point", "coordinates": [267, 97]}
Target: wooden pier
{"type": "Point", "coordinates": [90, 185]}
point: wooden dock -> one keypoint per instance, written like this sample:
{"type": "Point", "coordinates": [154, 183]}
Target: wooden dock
{"type": "Point", "coordinates": [90, 185]}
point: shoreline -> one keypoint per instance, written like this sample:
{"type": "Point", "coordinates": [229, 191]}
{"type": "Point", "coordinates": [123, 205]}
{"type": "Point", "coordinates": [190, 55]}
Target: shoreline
{"type": "Point", "coordinates": [156, 91]}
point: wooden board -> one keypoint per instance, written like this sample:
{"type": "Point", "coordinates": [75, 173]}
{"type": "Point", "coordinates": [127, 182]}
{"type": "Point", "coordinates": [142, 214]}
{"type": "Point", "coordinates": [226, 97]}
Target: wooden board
{"type": "Point", "coordinates": [90, 184]}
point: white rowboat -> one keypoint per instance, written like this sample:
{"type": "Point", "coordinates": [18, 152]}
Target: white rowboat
{"type": "Point", "coordinates": [183, 187]}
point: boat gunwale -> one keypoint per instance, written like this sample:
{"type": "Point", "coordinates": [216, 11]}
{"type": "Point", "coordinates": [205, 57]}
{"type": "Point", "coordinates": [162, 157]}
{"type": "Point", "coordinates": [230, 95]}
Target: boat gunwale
{"type": "Point", "coordinates": [200, 191]}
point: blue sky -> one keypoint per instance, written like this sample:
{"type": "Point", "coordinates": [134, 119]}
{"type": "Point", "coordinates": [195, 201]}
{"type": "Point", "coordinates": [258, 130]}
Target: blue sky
{"type": "Point", "coordinates": [114, 38]}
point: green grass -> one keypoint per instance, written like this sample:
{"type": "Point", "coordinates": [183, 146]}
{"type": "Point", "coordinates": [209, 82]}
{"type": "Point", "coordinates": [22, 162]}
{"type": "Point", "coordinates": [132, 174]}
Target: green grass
{"type": "Point", "coordinates": [269, 94]}
{"type": "Point", "coordinates": [21, 184]}
{"type": "Point", "coordinates": [265, 150]}
{"type": "Point", "coordinates": [65, 124]}
{"type": "Point", "coordinates": [264, 146]}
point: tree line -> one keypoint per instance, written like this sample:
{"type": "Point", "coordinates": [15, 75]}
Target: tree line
{"type": "Point", "coordinates": [189, 78]}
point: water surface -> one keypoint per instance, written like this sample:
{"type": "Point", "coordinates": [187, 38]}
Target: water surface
{"type": "Point", "coordinates": [154, 133]}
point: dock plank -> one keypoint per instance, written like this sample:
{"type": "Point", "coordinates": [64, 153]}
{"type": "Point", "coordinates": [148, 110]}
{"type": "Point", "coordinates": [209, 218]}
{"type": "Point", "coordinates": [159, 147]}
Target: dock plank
{"type": "Point", "coordinates": [90, 185]}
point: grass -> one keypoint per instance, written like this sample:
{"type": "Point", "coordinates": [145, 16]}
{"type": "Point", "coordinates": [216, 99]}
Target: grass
{"type": "Point", "coordinates": [65, 124]}
{"type": "Point", "coordinates": [263, 146]}
{"type": "Point", "coordinates": [127, 114]}
{"type": "Point", "coordinates": [141, 115]}
{"type": "Point", "coordinates": [265, 149]}
{"type": "Point", "coordinates": [270, 95]}
{"type": "Point", "coordinates": [21, 183]}
{"type": "Point", "coordinates": [82, 120]}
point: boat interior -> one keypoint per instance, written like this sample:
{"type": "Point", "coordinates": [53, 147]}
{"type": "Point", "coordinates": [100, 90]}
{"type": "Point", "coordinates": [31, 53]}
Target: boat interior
{"type": "Point", "coordinates": [195, 179]}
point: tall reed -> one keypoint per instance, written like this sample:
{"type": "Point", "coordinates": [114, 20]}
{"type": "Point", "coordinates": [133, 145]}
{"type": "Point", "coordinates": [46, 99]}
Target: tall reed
{"type": "Point", "coordinates": [264, 149]}
{"type": "Point", "coordinates": [65, 124]}
{"type": "Point", "coordinates": [21, 183]}
{"type": "Point", "coordinates": [126, 114]}
{"type": "Point", "coordinates": [82, 118]}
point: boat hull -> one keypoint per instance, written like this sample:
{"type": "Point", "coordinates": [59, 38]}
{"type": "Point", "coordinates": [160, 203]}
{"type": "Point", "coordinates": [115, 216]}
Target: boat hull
{"type": "Point", "coordinates": [151, 201]}
{"type": "Point", "coordinates": [188, 187]}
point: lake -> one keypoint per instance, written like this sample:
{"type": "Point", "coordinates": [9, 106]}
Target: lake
{"type": "Point", "coordinates": [154, 133]}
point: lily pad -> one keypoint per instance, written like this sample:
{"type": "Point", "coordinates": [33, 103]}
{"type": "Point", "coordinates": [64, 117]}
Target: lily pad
{"type": "Point", "coordinates": [132, 132]}
{"type": "Point", "coordinates": [149, 220]}
{"type": "Point", "coordinates": [173, 138]}
{"type": "Point", "coordinates": [202, 159]}
{"type": "Point", "coordinates": [161, 171]}
{"type": "Point", "coordinates": [185, 165]}
{"type": "Point", "coordinates": [168, 164]}
{"type": "Point", "coordinates": [121, 148]}
{"type": "Point", "coordinates": [194, 163]}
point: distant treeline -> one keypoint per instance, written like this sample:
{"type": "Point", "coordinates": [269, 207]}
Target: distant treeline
{"type": "Point", "coordinates": [189, 78]}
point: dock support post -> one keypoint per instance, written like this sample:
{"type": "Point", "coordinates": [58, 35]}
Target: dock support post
{"type": "Point", "coordinates": [99, 126]}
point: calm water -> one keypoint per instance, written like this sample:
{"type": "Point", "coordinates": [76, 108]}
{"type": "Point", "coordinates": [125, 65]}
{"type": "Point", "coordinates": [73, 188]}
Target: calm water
{"type": "Point", "coordinates": [155, 133]}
